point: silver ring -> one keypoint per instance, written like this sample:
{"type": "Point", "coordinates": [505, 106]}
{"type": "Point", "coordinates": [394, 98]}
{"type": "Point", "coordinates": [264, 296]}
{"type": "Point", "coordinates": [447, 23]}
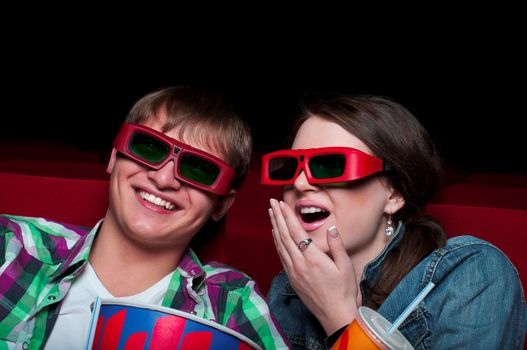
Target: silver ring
{"type": "Point", "coordinates": [303, 244]}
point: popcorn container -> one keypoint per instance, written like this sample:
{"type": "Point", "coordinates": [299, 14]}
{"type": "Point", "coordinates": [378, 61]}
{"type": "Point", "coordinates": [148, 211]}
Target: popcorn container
{"type": "Point", "coordinates": [118, 325]}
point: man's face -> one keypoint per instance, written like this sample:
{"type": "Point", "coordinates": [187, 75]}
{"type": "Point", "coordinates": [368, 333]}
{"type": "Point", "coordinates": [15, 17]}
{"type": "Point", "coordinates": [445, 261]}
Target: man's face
{"type": "Point", "coordinates": [154, 208]}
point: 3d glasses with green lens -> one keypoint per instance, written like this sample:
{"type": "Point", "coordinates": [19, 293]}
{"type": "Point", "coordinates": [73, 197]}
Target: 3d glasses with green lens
{"type": "Point", "coordinates": [193, 166]}
{"type": "Point", "coordinates": [320, 165]}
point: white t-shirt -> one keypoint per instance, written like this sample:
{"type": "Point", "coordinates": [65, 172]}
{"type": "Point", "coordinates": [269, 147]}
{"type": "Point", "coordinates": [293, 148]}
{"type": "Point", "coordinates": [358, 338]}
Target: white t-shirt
{"type": "Point", "coordinates": [71, 329]}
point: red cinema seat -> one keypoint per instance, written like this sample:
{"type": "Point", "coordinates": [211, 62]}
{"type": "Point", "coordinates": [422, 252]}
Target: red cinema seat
{"type": "Point", "coordinates": [250, 246]}
{"type": "Point", "coordinates": [498, 179]}
{"type": "Point", "coordinates": [75, 201]}
{"type": "Point", "coordinates": [45, 150]}
{"type": "Point", "coordinates": [78, 170]}
{"type": "Point", "coordinates": [504, 228]}
{"type": "Point", "coordinates": [483, 196]}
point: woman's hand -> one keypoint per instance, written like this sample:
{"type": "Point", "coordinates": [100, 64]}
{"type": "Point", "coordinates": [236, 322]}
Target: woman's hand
{"type": "Point", "coordinates": [325, 283]}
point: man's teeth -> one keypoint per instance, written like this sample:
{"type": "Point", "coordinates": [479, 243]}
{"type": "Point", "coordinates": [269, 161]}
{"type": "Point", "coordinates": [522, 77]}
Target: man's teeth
{"type": "Point", "coordinates": [156, 200]}
{"type": "Point", "coordinates": [310, 210]}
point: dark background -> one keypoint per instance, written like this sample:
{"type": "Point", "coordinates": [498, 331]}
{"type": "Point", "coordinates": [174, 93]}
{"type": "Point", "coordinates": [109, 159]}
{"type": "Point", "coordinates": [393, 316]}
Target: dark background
{"type": "Point", "coordinates": [466, 86]}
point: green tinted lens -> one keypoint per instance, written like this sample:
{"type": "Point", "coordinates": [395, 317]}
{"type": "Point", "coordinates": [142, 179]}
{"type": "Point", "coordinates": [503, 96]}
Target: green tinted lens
{"type": "Point", "coordinates": [148, 148]}
{"type": "Point", "coordinates": [198, 169]}
{"type": "Point", "coordinates": [327, 166]}
{"type": "Point", "coordinates": [283, 168]}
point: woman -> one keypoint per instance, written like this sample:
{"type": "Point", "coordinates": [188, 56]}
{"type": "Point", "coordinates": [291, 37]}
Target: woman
{"type": "Point", "coordinates": [350, 232]}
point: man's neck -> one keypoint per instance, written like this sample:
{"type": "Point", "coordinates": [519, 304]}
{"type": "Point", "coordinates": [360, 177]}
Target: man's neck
{"type": "Point", "coordinates": [127, 268]}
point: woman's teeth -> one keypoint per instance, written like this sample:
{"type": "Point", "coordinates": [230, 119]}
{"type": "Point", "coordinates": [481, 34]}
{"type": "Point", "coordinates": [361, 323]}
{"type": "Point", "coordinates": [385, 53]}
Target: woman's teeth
{"type": "Point", "coordinates": [309, 210]}
{"type": "Point", "coordinates": [312, 214]}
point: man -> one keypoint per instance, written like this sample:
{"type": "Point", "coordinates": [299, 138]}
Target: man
{"type": "Point", "coordinates": [175, 165]}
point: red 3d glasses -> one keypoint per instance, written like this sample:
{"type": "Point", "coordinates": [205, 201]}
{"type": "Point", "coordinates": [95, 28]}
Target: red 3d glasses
{"type": "Point", "coordinates": [320, 165]}
{"type": "Point", "coordinates": [193, 166]}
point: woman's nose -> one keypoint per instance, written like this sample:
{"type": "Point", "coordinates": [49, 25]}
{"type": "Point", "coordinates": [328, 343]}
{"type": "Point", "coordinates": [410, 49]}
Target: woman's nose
{"type": "Point", "coordinates": [301, 183]}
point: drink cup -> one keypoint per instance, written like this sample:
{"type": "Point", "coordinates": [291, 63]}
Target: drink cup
{"type": "Point", "coordinates": [369, 331]}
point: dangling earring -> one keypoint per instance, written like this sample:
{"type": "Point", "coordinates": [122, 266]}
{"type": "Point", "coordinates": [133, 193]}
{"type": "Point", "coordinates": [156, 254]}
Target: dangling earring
{"type": "Point", "coordinates": [389, 227]}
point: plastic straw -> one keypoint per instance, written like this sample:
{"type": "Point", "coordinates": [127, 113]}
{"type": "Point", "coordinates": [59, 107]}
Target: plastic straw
{"type": "Point", "coordinates": [411, 307]}
{"type": "Point", "coordinates": [93, 322]}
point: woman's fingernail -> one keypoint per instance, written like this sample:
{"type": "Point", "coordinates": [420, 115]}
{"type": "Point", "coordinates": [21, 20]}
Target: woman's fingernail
{"type": "Point", "coordinates": [332, 231]}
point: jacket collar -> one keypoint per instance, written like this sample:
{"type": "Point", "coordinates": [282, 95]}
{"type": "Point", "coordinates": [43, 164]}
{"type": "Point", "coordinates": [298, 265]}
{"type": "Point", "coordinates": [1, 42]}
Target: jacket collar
{"type": "Point", "coordinates": [372, 268]}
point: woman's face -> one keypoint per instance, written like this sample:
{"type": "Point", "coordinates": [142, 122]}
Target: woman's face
{"type": "Point", "coordinates": [359, 210]}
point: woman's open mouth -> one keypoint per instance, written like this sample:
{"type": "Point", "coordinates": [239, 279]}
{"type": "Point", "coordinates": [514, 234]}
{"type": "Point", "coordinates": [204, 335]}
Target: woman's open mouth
{"type": "Point", "coordinates": [312, 217]}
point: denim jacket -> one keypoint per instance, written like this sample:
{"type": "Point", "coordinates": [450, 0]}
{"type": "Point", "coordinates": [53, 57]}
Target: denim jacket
{"type": "Point", "coordinates": [477, 303]}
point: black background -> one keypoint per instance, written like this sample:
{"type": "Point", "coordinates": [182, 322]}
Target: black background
{"type": "Point", "coordinates": [466, 83]}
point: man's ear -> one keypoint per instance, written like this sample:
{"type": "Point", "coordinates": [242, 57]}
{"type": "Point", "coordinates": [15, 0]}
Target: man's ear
{"type": "Point", "coordinates": [224, 203]}
{"type": "Point", "coordinates": [111, 162]}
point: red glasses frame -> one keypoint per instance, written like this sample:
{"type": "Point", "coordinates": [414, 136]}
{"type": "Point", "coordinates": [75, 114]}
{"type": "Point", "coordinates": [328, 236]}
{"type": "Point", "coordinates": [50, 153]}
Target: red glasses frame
{"type": "Point", "coordinates": [221, 185]}
{"type": "Point", "coordinates": [358, 165]}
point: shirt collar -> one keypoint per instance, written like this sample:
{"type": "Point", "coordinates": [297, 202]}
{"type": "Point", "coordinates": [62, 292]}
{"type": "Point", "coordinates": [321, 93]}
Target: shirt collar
{"type": "Point", "coordinates": [190, 266]}
{"type": "Point", "coordinates": [78, 255]}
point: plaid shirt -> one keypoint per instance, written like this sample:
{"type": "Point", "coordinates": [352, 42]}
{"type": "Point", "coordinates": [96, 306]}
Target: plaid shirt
{"type": "Point", "coordinates": [40, 259]}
